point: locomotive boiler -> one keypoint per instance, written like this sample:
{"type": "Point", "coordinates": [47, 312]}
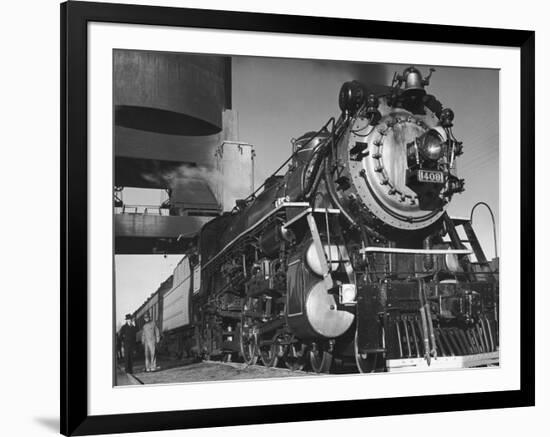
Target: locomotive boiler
{"type": "Point", "coordinates": [349, 259]}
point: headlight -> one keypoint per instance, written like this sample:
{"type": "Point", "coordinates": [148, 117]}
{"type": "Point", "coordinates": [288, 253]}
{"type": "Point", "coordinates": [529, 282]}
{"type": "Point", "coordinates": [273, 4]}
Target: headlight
{"type": "Point", "coordinates": [347, 294]}
{"type": "Point", "coordinates": [432, 145]}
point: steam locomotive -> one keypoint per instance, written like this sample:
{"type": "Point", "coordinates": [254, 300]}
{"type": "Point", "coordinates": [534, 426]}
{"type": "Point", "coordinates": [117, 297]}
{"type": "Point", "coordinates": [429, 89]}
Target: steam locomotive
{"type": "Point", "coordinates": [349, 258]}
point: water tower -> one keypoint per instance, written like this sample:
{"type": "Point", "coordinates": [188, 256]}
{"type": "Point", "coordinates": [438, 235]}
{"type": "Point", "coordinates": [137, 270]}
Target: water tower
{"type": "Point", "coordinates": [174, 132]}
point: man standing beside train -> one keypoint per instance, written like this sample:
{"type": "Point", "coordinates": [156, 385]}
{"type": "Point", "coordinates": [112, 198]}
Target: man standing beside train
{"type": "Point", "coordinates": [128, 334]}
{"type": "Point", "coordinates": [150, 336]}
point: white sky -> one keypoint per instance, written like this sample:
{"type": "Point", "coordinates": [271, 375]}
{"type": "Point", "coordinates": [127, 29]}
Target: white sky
{"type": "Point", "coordinates": [137, 277]}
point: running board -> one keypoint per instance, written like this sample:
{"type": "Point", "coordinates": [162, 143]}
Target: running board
{"type": "Point", "coordinates": [443, 363]}
{"type": "Point", "coordinates": [415, 251]}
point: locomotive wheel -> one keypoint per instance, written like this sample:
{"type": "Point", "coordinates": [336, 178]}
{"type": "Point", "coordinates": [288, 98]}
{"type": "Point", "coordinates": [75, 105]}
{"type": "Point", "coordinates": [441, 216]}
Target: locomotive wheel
{"type": "Point", "coordinates": [249, 348]}
{"type": "Point", "coordinates": [293, 357]}
{"type": "Point", "coordinates": [248, 341]}
{"type": "Point", "coordinates": [320, 360]}
{"type": "Point", "coordinates": [269, 353]}
{"type": "Point", "coordinates": [367, 363]}
{"type": "Point", "coordinates": [294, 363]}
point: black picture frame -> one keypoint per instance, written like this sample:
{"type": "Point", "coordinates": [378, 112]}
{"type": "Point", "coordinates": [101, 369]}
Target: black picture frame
{"type": "Point", "coordinates": [75, 17]}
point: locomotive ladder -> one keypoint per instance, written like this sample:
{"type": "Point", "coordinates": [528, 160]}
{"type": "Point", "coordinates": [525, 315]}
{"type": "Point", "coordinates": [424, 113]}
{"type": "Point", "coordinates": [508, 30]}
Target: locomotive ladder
{"type": "Point", "coordinates": [452, 224]}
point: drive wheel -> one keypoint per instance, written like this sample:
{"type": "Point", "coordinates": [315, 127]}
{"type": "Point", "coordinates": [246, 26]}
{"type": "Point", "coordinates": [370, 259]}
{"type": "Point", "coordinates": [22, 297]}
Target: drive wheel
{"type": "Point", "coordinates": [293, 356]}
{"type": "Point", "coordinates": [248, 339]}
{"type": "Point", "coordinates": [269, 352]}
{"type": "Point", "coordinates": [249, 349]}
{"type": "Point", "coordinates": [319, 359]}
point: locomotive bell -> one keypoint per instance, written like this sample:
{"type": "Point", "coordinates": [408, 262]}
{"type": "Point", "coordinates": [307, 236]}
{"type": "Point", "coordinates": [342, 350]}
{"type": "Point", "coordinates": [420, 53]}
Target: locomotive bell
{"type": "Point", "coordinates": [414, 84]}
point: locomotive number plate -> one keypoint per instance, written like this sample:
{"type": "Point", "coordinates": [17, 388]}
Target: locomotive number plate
{"type": "Point", "coordinates": [434, 177]}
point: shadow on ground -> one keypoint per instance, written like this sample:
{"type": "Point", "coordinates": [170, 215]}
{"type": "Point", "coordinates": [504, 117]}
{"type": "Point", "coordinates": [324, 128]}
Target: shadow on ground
{"type": "Point", "coordinates": [51, 423]}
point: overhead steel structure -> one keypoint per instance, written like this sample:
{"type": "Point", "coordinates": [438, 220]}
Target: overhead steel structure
{"type": "Point", "coordinates": [172, 118]}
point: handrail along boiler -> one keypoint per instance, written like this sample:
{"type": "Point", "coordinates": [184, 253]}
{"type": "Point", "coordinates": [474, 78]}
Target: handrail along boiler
{"type": "Point", "coordinates": [350, 258]}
